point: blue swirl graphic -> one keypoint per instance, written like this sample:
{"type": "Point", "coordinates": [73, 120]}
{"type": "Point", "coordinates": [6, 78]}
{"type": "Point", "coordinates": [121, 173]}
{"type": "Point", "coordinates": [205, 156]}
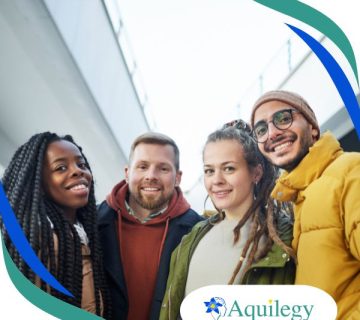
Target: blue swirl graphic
{"type": "Point", "coordinates": [337, 75]}
{"type": "Point", "coordinates": [17, 236]}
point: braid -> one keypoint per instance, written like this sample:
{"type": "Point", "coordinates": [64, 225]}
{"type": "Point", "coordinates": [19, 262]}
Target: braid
{"type": "Point", "coordinates": [88, 217]}
{"type": "Point", "coordinates": [77, 276]}
{"type": "Point", "coordinates": [43, 222]}
{"type": "Point", "coordinates": [272, 230]}
{"type": "Point", "coordinates": [262, 210]}
{"type": "Point", "coordinates": [20, 188]}
{"type": "Point", "coordinates": [250, 239]}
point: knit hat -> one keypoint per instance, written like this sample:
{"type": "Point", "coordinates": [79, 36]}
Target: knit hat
{"type": "Point", "coordinates": [292, 99]}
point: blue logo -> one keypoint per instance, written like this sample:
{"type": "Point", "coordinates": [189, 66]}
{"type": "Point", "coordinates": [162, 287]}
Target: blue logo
{"type": "Point", "coordinates": [216, 307]}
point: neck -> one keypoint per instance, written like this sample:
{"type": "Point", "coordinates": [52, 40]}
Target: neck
{"type": "Point", "coordinates": [70, 215]}
{"type": "Point", "coordinates": [238, 212]}
{"type": "Point", "coordinates": [140, 211]}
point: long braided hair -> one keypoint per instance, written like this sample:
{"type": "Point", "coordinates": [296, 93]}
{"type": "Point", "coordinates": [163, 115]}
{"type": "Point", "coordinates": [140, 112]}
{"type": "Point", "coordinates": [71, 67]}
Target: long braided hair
{"type": "Point", "coordinates": [41, 218]}
{"type": "Point", "coordinates": [263, 211]}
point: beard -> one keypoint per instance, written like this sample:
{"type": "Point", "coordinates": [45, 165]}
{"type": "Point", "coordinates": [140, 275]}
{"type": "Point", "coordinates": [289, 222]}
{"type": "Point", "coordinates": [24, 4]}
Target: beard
{"type": "Point", "coordinates": [293, 163]}
{"type": "Point", "coordinates": [152, 203]}
{"type": "Point", "coordinates": [305, 142]}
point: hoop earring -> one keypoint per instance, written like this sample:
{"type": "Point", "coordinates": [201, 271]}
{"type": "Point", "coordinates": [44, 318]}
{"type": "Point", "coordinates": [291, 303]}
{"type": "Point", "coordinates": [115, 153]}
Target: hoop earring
{"type": "Point", "coordinates": [206, 199]}
{"type": "Point", "coordinates": [256, 191]}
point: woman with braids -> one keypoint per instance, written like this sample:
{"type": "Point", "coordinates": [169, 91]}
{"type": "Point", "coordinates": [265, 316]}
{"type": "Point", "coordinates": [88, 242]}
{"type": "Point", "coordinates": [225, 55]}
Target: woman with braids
{"type": "Point", "coordinates": [247, 241]}
{"type": "Point", "coordinates": [50, 188]}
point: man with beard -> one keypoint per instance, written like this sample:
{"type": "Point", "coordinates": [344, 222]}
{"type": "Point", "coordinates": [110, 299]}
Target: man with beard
{"type": "Point", "coordinates": [323, 182]}
{"type": "Point", "coordinates": [141, 222]}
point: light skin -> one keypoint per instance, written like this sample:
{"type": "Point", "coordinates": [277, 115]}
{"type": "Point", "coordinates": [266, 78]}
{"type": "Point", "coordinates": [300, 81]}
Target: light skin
{"type": "Point", "coordinates": [285, 148]}
{"type": "Point", "coordinates": [66, 179]}
{"type": "Point", "coordinates": [152, 178]}
{"type": "Point", "coordinates": [228, 179]}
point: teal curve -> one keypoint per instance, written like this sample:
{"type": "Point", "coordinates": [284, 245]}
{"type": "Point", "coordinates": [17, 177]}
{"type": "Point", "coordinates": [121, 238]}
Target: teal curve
{"type": "Point", "coordinates": [18, 238]}
{"type": "Point", "coordinates": [41, 299]}
{"type": "Point", "coordinates": [293, 8]}
{"type": "Point", "coordinates": [317, 20]}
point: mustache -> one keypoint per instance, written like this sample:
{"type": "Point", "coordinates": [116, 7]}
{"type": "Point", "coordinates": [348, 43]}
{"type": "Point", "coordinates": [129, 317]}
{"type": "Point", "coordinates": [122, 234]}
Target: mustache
{"type": "Point", "coordinates": [151, 185]}
{"type": "Point", "coordinates": [269, 145]}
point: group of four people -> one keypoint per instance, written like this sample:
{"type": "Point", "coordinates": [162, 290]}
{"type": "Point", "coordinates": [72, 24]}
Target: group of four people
{"type": "Point", "coordinates": [141, 251]}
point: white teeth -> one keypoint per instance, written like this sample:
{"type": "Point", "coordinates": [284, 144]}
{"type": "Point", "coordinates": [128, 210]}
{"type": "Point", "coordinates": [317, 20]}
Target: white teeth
{"type": "Point", "coordinates": [79, 187]}
{"type": "Point", "coordinates": [150, 189]}
{"type": "Point", "coordinates": [220, 193]}
{"type": "Point", "coordinates": [282, 146]}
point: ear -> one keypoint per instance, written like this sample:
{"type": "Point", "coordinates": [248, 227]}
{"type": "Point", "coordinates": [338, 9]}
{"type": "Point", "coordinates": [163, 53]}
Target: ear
{"type": "Point", "coordinates": [258, 173]}
{"type": "Point", "coordinates": [127, 173]}
{"type": "Point", "coordinates": [178, 178]}
{"type": "Point", "coordinates": [315, 134]}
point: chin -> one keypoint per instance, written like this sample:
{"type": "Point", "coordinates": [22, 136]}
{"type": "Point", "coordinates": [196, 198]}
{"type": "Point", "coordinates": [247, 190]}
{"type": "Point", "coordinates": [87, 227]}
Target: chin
{"type": "Point", "coordinates": [221, 206]}
{"type": "Point", "coordinates": [79, 206]}
{"type": "Point", "coordinates": [287, 165]}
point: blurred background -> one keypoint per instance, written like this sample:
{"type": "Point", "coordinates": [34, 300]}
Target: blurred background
{"type": "Point", "coordinates": [106, 71]}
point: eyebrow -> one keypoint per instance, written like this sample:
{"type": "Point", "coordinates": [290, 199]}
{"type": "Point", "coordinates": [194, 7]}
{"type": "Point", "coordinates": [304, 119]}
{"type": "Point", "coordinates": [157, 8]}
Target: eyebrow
{"type": "Point", "coordinates": [157, 164]}
{"type": "Point", "coordinates": [222, 164]}
{"type": "Point", "coordinates": [287, 107]}
{"type": "Point", "coordinates": [65, 159]}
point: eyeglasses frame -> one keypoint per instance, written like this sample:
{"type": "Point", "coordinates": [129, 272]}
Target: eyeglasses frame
{"type": "Point", "coordinates": [290, 110]}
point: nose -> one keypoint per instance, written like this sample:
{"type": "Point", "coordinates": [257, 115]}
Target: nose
{"type": "Point", "coordinates": [273, 132]}
{"type": "Point", "coordinates": [218, 177]}
{"type": "Point", "coordinates": [151, 174]}
{"type": "Point", "coordinates": [76, 171]}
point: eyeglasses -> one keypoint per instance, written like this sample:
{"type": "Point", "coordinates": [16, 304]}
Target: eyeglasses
{"type": "Point", "coordinates": [282, 120]}
{"type": "Point", "coordinates": [238, 124]}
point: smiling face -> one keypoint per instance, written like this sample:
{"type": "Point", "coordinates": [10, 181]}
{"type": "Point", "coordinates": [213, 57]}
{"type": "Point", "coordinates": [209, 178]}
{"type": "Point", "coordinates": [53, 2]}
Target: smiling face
{"type": "Point", "coordinates": [228, 179]}
{"type": "Point", "coordinates": [152, 177]}
{"type": "Point", "coordinates": [66, 178]}
{"type": "Point", "coordinates": [285, 148]}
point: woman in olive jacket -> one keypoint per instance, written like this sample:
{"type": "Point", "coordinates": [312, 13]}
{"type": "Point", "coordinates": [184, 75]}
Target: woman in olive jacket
{"type": "Point", "coordinates": [247, 241]}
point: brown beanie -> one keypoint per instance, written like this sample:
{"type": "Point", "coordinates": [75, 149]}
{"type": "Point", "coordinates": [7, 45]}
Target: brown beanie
{"type": "Point", "coordinates": [292, 99]}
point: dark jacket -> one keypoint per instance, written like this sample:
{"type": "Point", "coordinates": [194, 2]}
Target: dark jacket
{"type": "Point", "coordinates": [107, 222]}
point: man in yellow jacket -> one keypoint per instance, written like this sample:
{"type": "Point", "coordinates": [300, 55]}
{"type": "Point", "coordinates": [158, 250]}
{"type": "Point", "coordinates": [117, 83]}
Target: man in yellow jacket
{"type": "Point", "coordinates": [323, 181]}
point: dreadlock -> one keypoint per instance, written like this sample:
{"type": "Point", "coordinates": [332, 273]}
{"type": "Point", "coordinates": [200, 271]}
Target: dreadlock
{"type": "Point", "coordinates": [41, 218]}
{"type": "Point", "coordinates": [263, 211]}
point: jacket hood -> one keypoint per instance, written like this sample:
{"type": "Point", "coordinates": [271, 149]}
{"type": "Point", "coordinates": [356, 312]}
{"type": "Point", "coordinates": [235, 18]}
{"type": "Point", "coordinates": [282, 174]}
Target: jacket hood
{"type": "Point", "coordinates": [311, 167]}
{"type": "Point", "coordinates": [177, 205]}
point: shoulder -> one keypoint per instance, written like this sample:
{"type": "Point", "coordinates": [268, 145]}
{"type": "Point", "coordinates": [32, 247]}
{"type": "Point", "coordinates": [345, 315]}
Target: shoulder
{"type": "Point", "coordinates": [106, 214]}
{"type": "Point", "coordinates": [205, 224]}
{"type": "Point", "coordinates": [190, 217]}
{"type": "Point", "coordinates": [350, 161]}
{"type": "Point", "coordinates": [200, 228]}
{"type": "Point", "coordinates": [346, 163]}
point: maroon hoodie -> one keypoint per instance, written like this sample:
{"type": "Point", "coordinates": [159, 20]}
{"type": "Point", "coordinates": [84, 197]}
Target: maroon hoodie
{"type": "Point", "coordinates": [141, 246]}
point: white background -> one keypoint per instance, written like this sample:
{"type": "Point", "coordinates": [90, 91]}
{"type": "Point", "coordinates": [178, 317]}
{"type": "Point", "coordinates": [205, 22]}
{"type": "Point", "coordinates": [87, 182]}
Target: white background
{"type": "Point", "coordinates": [195, 57]}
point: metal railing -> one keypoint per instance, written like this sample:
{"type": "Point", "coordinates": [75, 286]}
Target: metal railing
{"type": "Point", "coordinates": [113, 10]}
{"type": "Point", "coordinates": [279, 68]}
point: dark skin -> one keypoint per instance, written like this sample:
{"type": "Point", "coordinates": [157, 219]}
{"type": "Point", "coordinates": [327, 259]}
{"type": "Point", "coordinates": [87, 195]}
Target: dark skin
{"type": "Point", "coordinates": [66, 178]}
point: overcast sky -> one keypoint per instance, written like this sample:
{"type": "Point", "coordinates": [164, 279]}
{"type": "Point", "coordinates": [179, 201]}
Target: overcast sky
{"type": "Point", "coordinates": [197, 58]}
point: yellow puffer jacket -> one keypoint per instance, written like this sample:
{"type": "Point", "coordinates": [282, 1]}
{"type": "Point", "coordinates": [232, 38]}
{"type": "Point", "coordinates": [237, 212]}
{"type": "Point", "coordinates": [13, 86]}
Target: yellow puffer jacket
{"type": "Point", "coordinates": [325, 188]}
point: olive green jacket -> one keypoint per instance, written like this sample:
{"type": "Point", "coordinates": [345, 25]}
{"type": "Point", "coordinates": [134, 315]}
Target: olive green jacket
{"type": "Point", "coordinates": [275, 268]}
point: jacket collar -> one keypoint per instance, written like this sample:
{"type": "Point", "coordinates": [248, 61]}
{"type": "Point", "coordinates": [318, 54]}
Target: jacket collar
{"type": "Point", "coordinates": [112, 260]}
{"type": "Point", "coordinates": [311, 167]}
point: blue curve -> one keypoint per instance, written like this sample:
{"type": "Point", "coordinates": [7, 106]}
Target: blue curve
{"type": "Point", "coordinates": [337, 75]}
{"type": "Point", "coordinates": [17, 236]}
